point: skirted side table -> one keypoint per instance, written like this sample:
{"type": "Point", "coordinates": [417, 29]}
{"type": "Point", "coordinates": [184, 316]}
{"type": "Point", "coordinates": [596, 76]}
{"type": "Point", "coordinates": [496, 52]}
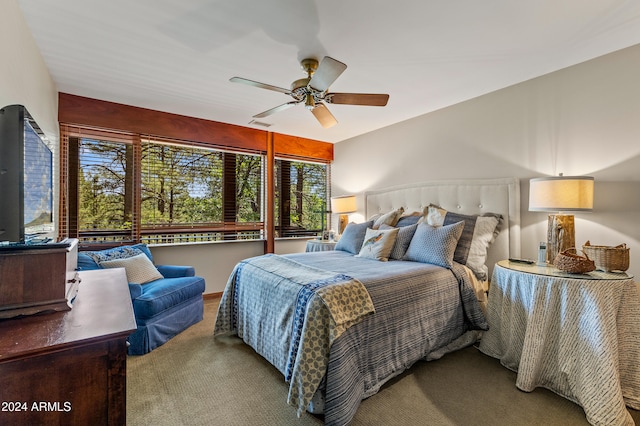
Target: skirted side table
{"type": "Point", "coordinates": [320, 245]}
{"type": "Point", "coordinates": [575, 334]}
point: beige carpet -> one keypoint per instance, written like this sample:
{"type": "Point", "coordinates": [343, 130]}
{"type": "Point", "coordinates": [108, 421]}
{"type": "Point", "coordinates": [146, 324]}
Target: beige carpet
{"type": "Point", "coordinates": [195, 379]}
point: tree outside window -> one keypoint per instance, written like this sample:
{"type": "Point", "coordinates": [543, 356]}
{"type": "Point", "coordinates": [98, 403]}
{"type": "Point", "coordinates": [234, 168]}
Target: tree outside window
{"type": "Point", "coordinates": [156, 191]}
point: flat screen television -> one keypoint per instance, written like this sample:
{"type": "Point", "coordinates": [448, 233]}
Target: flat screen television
{"type": "Point", "coordinates": [26, 179]}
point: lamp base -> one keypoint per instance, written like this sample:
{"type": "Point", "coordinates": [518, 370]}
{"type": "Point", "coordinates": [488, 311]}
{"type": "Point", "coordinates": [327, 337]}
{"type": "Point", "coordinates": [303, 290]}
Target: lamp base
{"type": "Point", "coordinates": [342, 222]}
{"type": "Point", "coordinates": [560, 235]}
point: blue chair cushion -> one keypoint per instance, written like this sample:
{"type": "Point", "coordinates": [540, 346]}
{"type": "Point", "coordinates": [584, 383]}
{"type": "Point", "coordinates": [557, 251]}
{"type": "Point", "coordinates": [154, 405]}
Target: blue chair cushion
{"type": "Point", "coordinates": [160, 295]}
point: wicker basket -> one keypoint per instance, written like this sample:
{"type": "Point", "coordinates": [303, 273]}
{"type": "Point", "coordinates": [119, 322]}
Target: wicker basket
{"type": "Point", "coordinates": [569, 261]}
{"type": "Point", "coordinates": [608, 258]}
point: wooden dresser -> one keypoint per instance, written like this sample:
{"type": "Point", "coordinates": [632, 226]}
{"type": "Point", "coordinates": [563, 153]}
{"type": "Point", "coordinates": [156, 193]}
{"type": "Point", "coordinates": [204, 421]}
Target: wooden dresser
{"type": "Point", "coordinates": [65, 368]}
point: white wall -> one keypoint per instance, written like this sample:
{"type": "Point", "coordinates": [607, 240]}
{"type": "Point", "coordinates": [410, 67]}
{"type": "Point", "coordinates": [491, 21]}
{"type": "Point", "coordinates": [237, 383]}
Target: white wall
{"type": "Point", "coordinates": [583, 120]}
{"type": "Point", "coordinates": [215, 261]}
{"type": "Point", "coordinates": [24, 77]}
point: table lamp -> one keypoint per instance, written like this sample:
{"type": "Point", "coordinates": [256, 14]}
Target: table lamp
{"type": "Point", "coordinates": [557, 195]}
{"type": "Point", "coordinates": [343, 206]}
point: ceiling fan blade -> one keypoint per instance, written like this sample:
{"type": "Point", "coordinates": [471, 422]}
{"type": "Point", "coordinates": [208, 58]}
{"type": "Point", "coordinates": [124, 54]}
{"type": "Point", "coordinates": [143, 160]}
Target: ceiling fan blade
{"type": "Point", "coordinates": [367, 99]}
{"type": "Point", "coordinates": [324, 116]}
{"type": "Point", "coordinates": [260, 85]}
{"type": "Point", "coordinates": [275, 109]}
{"type": "Point", "coordinates": [328, 71]}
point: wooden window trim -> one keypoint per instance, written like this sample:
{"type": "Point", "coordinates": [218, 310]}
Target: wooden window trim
{"type": "Point", "coordinates": [76, 112]}
{"type": "Point", "coordinates": [87, 112]}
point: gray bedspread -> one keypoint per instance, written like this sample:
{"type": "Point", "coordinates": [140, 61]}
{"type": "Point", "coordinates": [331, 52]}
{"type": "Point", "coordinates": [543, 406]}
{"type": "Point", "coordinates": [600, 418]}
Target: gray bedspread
{"type": "Point", "coordinates": [420, 309]}
{"type": "Point", "coordinates": [311, 308]}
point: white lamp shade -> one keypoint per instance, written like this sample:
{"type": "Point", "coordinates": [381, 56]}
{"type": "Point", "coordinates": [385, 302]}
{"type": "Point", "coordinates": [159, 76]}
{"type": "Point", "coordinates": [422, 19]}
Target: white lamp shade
{"type": "Point", "coordinates": [561, 194]}
{"type": "Point", "coordinates": [345, 204]}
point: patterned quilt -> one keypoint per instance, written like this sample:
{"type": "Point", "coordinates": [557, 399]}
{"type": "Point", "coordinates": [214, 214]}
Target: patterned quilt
{"type": "Point", "coordinates": [311, 308]}
{"type": "Point", "coordinates": [422, 311]}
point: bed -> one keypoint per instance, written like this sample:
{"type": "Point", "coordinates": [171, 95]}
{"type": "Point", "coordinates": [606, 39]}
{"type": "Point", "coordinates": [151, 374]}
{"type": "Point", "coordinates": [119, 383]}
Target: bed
{"type": "Point", "coordinates": [339, 324]}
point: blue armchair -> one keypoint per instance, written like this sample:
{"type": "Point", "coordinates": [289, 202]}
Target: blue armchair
{"type": "Point", "coordinates": [163, 307]}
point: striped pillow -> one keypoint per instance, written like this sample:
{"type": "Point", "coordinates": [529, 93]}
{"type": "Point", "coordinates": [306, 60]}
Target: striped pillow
{"type": "Point", "coordinates": [478, 234]}
{"type": "Point", "coordinates": [409, 219]}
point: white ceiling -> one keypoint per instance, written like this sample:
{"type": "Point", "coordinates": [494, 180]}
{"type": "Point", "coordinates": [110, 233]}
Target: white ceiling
{"type": "Point", "coordinates": [178, 55]}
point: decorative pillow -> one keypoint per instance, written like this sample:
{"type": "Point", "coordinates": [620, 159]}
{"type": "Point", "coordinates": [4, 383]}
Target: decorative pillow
{"type": "Point", "coordinates": [434, 215]}
{"type": "Point", "coordinates": [478, 234]}
{"type": "Point", "coordinates": [88, 260]}
{"type": "Point", "coordinates": [139, 268]}
{"type": "Point", "coordinates": [378, 243]}
{"type": "Point", "coordinates": [390, 218]}
{"type": "Point", "coordinates": [375, 217]}
{"type": "Point", "coordinates": [403, 239]}
{"type": "Point", "coordinates": [409, 219]}
{"type": "Point", "coordinates": [353, 237]}
{"type": "Point", "coordinates": [435, 245]}
{"type": "Point", "coordinates": [123, 252]}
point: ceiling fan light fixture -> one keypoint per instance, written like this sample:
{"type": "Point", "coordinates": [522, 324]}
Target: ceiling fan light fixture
{"type": "Point", "coordinates": [313, 89]}
{"type": "Point", "coordinates": [309, 102]}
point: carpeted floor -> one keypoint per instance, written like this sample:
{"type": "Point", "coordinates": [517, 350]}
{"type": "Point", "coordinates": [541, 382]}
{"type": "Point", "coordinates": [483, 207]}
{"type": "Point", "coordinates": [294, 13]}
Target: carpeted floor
{"type": "Point", "coordinates": [195, 379]}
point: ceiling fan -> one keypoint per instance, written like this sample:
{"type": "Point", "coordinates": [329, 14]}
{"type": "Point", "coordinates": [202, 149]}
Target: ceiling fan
{"type": "Point", "coordinates": [312, 90]}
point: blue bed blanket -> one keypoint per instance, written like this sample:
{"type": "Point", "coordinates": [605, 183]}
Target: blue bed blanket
{"type": "Point", "coordinates": [421, 312]}
{"type": "Point", "coordinates": [291, 313]}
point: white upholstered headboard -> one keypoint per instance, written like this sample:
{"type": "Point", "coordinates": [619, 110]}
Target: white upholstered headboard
{"type": "Point", "coordinates": [475, 196]}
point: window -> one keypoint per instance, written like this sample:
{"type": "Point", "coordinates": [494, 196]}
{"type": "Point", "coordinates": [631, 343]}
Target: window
{"type": "Point", "coordinates": [102, 209]}
{"type": "Point", "coordinates": [185, 193]}
{"type": "Point", "coordinates": [301, 198]}
{"type": "Point", "coordinates": [199, 194]}
{"type": "Point", "coordinates": [141, 189]}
